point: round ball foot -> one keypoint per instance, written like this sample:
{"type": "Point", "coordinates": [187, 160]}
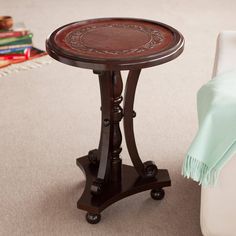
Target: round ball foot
{"type": "Point", "coordinates": [150, 169]}
{"type": "Point", "coordinates": [158, 194]}
{"type": "Point", "coordinates": [93, 218]}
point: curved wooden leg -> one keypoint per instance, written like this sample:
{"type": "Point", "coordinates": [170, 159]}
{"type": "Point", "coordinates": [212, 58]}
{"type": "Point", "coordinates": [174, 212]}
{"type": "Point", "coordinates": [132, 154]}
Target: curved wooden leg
{"type": "Point", "coordinates": [93, 155]}
{"type": "Point", "coordinates": [147, 169]}
{"type": "Point", "coordinates": [106, 132]}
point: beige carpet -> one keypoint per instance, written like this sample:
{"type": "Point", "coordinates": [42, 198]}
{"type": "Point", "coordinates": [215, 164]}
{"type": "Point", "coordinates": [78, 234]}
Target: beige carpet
{"type": "Point", "coordinates": [49, 116]}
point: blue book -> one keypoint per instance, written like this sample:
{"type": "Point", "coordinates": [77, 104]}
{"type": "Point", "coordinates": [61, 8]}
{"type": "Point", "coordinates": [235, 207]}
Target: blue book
{"type": "Point", "coordinates": [10, 50]}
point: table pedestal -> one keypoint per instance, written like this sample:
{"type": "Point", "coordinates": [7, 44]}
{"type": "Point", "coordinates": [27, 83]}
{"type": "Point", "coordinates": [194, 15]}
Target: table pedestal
{"type": "Point", "coordinates": [107, 179]}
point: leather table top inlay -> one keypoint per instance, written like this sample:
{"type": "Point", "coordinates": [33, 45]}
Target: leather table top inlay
{"type": "Point", "coordinates": [114, 39]}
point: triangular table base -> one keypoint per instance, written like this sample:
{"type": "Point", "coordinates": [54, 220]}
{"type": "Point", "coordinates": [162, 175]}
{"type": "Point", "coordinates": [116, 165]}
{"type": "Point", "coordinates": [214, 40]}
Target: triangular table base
{"type": "Point", "coordinates": [131, 183]}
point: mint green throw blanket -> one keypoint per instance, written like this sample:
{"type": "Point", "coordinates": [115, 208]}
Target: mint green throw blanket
{"type": "Point", "coordinates": [214, 143]}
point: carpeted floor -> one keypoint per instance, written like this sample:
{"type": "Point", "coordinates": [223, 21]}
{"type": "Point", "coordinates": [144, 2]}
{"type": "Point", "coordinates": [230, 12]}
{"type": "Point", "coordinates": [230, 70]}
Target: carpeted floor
{"type": "Point", "coordinates": [49, 116]}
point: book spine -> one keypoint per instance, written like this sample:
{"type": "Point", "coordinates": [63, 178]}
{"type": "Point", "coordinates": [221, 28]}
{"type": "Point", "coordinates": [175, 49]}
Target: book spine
{"type": "Point", "coordinates": [25, 54]}
{"type": "Point", "coordinates": [19, 42]}
{"type": "Point", "coordinates": [13, 34]}
{"type": "Point", "coordinates": [15, 40]}
{"type": "Point", "coordinates": [15, 46]}
{"type": "Point", "coordinates": [13, 57]}
{"type": "Point", "coordinates": [11, 50]}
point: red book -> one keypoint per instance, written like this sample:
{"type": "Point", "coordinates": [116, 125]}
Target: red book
{"type": "Point", "coordinates": [6, 34]}
{"type": "Point", "coordinates": [13, 57]}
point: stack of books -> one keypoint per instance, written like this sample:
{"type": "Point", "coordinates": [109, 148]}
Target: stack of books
{"type": "Point", "coordinates": [16, 45]}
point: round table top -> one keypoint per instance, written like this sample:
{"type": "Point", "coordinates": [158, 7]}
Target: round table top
{"type": "Point", "coordinates": [115, 43]}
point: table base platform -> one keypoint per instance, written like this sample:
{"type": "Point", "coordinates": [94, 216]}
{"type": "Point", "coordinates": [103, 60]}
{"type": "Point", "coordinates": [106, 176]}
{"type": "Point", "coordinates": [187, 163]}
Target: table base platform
{"type": "Point", "coordinates": [131, 183]}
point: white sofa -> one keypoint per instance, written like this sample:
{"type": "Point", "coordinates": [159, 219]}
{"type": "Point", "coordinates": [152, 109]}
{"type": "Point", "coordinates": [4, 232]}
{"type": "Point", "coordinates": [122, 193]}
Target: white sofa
{"type": "Point", "coordinates": [218, 204]}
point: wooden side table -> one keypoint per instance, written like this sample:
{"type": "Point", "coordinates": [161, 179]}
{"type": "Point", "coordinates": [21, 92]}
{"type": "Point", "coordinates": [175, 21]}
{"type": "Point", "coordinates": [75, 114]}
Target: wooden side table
{"type": "Point", "coordinates": [107, 46]}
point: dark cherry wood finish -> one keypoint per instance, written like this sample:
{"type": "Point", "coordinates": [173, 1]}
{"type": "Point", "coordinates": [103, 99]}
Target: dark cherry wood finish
{"type": "Point", "coordinates": [130, 184]}
{"type": "Point", "coordinates": [115, 44]}
{"type": "Point", "coordinates": [107, 46]}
